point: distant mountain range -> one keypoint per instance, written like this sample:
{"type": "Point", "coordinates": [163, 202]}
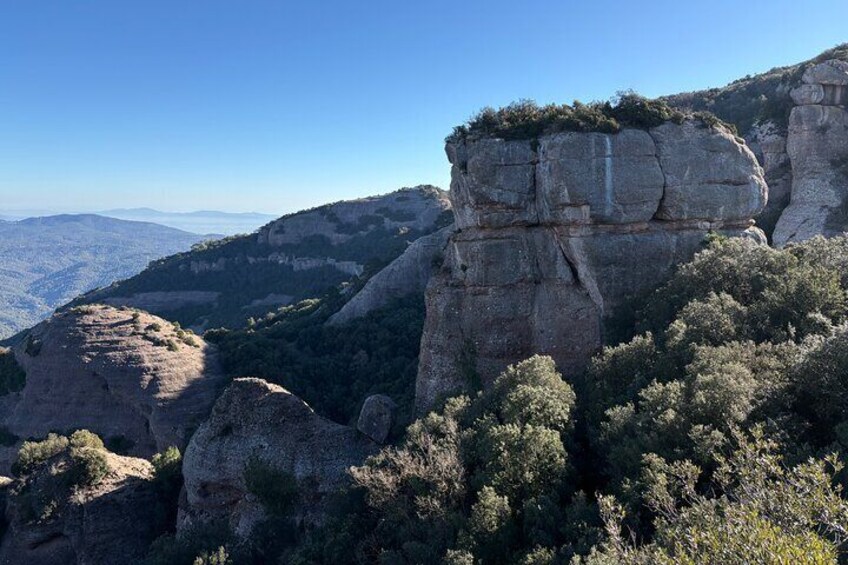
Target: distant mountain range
{"type": "Point", "coordinates": [47, 261]}
{"type": "Point", "coordinates": [203, 221]}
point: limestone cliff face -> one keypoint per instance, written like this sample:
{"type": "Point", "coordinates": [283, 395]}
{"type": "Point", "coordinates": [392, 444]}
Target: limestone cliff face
{"type": "Point", "coordinates": [125, 375]}
{"type": "Point", "coordinates": [817, 146]}
{"type": "Point", "coordinates": [110, 524]}
{"type": "Point", "coordinates": [256, 420]}
{"type": "Point", "coordinates": [556, 233]}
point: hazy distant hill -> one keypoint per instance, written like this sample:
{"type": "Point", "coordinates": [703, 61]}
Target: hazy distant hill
{"type": "Point", "coordinates": [203, 221]}
{"type": "Point", "coordinates": [45, 262]}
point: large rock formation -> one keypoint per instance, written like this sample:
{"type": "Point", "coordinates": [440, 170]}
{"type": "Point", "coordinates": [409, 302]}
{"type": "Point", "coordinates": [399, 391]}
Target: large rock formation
{"type": "Point", "coordinates": [132, 378]}
{"type": "Point", "coordinates": [111, 523]}
{"type": "Point", "coordinates": [558, 232]}
{"type": "Point", "coordinates": [408, 274]}
{"type": "Point", "coordinates": [258, 421]}
{"type": "Point", "coordinates": [296, 257]}
{"type": "Point", "coordinates": [817, 145]}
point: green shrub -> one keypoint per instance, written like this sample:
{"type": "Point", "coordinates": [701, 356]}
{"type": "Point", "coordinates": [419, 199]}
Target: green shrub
{"type": "Point", "coordinates": [34, 453]}
{"type": "Point", "coordinates": [275, 489]}
{"type": "Point", "coordinates": [527, 120]}
{"type": "Point", "coordinates": [90, 466]}
{"type": "Point", "coordinates": [85, 438]}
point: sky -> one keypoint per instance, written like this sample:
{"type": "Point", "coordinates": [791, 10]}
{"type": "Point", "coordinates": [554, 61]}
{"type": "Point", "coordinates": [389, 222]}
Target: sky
{"type": "Point", "coordinates": [276, 106]}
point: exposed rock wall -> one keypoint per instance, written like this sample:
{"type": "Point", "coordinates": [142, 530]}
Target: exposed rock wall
{"type": "Point", "coordinates": [118, 373]}
{"type": "Point", "coordinates": [768, 142]}
{"type": "Point", "coordinates": [556, 234]}
{"type": "Point", "coordinates": [817, 146]}
{"type": "Point", "coordinates": [254, 419]}
{"type": "Point", "coordinates": [408, 274]}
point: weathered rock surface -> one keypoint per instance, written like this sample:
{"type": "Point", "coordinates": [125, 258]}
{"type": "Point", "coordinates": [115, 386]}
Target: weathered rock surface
{"type": "Point", "coordinates": [408, 274]}
{"type": "Point", "coordinates": [110, 524]}
{"type": "Point", "coordinates": [377, 417]}
{"type": "Point", "coordinates": [768, 143]}
{"type": "Point", "coordinates": [817, 146]}
{"type": "Point", "coordinates": [122, 374]}
{"type": "Point", "coordinates": [557, 234]}
{"type": "Point", "coordinates": [256, 420]}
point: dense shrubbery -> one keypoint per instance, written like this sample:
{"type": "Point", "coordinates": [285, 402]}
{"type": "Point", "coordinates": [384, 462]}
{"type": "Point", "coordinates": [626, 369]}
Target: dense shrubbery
{"type": "Point", "coordinates": [333, 368]}
{"type": "Point", "coordinates": [528, 120]}
{"type": "Point", "coordinates": [762, 98]}
{"type": "Point", "coordinates": [649, 463]}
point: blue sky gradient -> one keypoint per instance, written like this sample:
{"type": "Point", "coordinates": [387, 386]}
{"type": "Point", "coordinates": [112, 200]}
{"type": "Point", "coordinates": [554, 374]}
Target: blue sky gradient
{"type": "Point", "coordinates": [274, 106]}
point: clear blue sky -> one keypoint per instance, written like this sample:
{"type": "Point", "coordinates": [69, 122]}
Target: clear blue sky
{"type": "Point", "coordinates": [274, 106]}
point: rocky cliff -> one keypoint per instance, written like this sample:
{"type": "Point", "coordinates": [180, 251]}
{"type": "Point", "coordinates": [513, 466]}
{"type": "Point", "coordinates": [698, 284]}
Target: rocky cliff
{"type": "Point", "coordinates": [817, 145]}
{"type": "Point", "coordinates": [408, 274]}
{"type": "Point", "coordinates": [792, 118]}
{"type": "Point", "coordinates": [556, 233]}
{"type": "Point", "coordinates": [298, 256]}
{"type": "Point", "coordinates": [134, 379]}
{"type": "Point", "coordinates": [255, 422]}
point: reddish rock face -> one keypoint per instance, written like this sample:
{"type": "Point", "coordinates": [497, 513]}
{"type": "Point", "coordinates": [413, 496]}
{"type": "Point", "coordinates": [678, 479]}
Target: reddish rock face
{"type": "Point", "coordinates": [125, 375]}
{"type": "Point", "coordinates": [556, 233]}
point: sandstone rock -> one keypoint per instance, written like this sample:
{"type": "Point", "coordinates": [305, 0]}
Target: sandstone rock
{"type": "Point", "coordinates": [708, 174]}
{"type": "Point", "coordinates": [768, 143]}
{"type": "Point", "coordinates": [542, 267]}
{"type": "Point", "coordinates": [406, 275]}
{"type": "Point", "coordinates": [818, 148]}
{"type": "Point", "coordinates": [110, 524]}
{"type": "Point", "coordinates": [377, 417]}
{"type": "Point", "coordinates": [832, 73]}
{"type": "Point", "coordinates": [256, 420]}
{"type": "Point", "coordinates": [573, 166]}
{"type": "Point", "coordinates": [123, 375]}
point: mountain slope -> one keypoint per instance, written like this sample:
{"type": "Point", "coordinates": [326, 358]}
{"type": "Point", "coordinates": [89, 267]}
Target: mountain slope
{"type": "Point", "coordinates": [45, 262]}
{"type": "Point", "coordinates": [201, 221]}
{"type": "Point", "coordinates": [298, 256]}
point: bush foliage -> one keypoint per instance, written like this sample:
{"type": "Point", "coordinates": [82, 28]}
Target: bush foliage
{"type": "Point", "coordinates": [527, 120]}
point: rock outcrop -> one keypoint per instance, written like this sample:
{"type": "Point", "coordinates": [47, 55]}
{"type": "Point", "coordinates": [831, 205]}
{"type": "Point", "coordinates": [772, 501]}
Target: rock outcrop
{"type": "Point", "coordinates": [817, 146]}
{"type": "Point", "coordinates": [555, 234]}
{"type": "Point", "coordinates": [377, 417]}
{"type": "Point", "coordinates": [299, 256]}
{"type": "Point", "coordinates": [130, 377]}
{"type": "Point", "coordinates": [408, 274]}
{"type": "Point", "coordinates": [257, 421]}
{"type": "Point", "coordinates": [111, 523]}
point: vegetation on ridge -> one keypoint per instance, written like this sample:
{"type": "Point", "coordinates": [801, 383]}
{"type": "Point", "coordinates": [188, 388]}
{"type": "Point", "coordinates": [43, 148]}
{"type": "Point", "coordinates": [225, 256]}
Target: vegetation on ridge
{"type": "Point", "coordinates": [527, 120]}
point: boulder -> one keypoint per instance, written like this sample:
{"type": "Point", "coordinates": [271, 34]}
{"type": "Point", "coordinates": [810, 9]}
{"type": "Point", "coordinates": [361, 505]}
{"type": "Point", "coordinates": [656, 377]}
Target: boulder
{"type": "Point", "coordinates": [377, 417]}
{"type": "Point", "coordinates": [111, 523]}
{"type": "Point", "coordinates": [544, 267]}
{"type": "Point", "coordinates": [254, 420]}
{"type": "Point", "coordinates": [132, 378]}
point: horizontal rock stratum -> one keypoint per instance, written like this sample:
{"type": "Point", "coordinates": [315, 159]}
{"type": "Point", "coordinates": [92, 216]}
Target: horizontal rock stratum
{"type": "Point", "coordinates": [134, 379]}
{"type": "Point", "coordinates": [556, 233]}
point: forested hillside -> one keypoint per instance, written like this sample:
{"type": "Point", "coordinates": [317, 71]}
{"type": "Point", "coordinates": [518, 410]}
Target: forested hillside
{"type": "Point", "coordinates": [45, 262]}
